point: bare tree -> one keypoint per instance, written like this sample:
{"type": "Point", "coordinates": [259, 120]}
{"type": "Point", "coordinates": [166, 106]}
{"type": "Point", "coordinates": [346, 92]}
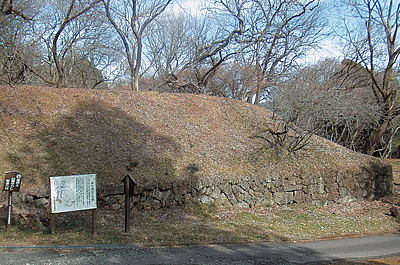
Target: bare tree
{"type": "Point", "coordinates": [130, 19]}
{"type": "Point", "coordinates": [168, 43]}
{"type": "Point", "coordinates": [323, 100]}
{"type": "Point", "coordinates": [8, 8]}
{"type": "Point", "coordinates": [187, 50]}
{"type": "Point", "coordinates": [73, 12]}
{"type": "Point", "coordinates": [234, 79]}
{"type": "Point", "coordinates": [281, 135]}
{"type": "Point", "coordinates": [280, 32]}
{"type": "Point", "coordinates": [370, 33]}
{"type": "Point", "coordinates": [14, 18]}
{"type": "Point", "coordinates": [59, 28]}
{"type": "Point", "coordinates": [209, 38]}
{"type": "Point", "coordinates": [273, 34]}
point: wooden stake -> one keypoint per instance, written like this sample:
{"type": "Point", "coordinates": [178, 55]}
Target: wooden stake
{"type": "Point", "coordinates": [94, 221]}
{"type": "Point", "coordinates": [127, 206]}
{"type": "Point", "coordinates": [129, 184]}
{"type": "Point", "coordinates": [52, 223]}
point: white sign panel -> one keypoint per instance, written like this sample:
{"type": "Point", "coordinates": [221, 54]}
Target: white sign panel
{"type": "Point", "coordinates": [73, 193]}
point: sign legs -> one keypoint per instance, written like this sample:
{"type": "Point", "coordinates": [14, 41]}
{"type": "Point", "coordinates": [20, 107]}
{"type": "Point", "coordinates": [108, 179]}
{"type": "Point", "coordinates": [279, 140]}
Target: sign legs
{"type": "Point", "coordinates": [94, 222]}
{"type": "Point", "coordinates": [80, 189]}
{"type": "Point", "coordinates": [52, 223]}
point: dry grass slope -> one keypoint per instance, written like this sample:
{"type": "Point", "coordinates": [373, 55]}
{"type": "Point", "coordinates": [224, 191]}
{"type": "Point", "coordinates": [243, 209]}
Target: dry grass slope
{"type": "Point", "coordinates": [162, 138]}
{"type": "Point", "coordinates": [156, 137]}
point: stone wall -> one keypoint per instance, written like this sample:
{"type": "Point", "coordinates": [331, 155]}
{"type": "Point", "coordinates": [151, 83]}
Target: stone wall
{"type": "Point", "coordinates": [335, 186]}
{"type": "Point", "coordinates": [368, 183]}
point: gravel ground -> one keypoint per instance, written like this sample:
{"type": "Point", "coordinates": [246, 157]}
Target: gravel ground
{"type": "Point", "coordinates": [319, 252]}
{"type": "Point", "coordinates": [131, 256]}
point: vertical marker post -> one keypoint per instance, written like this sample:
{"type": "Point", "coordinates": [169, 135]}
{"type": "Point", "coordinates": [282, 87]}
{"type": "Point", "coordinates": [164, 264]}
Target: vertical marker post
{"type": "Point", "coordinates": [129, 184]}
{"type": "Point", "coordinates": [12, 182]}
{"type": "Point", "coordinates": [9, 211]}
{"type": "Point", "coordinates": [127, 206]}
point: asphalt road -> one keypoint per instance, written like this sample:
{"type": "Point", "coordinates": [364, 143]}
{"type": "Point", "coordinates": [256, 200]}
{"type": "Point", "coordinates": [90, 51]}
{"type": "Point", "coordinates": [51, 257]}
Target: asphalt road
{"type": "Point", "coordinates": [318, 252]}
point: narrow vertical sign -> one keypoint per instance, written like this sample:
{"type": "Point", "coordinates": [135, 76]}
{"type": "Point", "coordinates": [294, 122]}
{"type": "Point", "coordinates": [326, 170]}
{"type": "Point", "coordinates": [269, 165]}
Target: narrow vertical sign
{"type": "Point", "coordinates": [73, 193]}
{"type": "Point", "coordinates": [12, 182]}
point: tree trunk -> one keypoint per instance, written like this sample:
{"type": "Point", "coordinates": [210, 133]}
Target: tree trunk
{"type": "Point", "coordinates": [257, 100]}
{"type": "Point", "coordinates": [253, 91]}
{"type": "Point", "coordinates": [59, 68]}
{"type": "Point", "coordinates": [135, 83]}
{"type": "Point", "coordinates": [374, 140]}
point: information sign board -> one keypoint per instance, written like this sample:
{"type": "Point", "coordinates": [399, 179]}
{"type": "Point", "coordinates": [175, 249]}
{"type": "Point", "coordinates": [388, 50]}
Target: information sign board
{"type": "Point", "coordinates": [73, 193]}
{"type": "Point", "coordinates": [12, 181]}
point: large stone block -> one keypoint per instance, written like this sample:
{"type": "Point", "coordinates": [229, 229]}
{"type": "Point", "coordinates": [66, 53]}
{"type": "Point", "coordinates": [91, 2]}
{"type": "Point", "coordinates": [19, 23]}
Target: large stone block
{"type": "Point", "coordinates": [156, 194]}
{"type": "Point", "coordinates": [279, 198]}
{"type": "Point", "coordinates": [299, 196]}
{"type": "Point", "coordinates": [206, 199]}
{"type": "Point", "coordinates": [149, 186]}
{"type": "Point", "coordinates": [113, 190]}
{"type": "Point", "coordinates": [41, 202]}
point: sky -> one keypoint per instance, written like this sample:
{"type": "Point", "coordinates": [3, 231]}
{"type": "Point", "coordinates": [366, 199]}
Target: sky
{"type": "Point", "coordinates": [190, 6]}
{"type": "Point", "coordinates": [329, 48]}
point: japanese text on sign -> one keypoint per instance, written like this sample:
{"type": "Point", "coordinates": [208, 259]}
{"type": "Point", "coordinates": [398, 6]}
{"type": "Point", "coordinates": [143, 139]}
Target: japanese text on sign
{"type": "Point", "coordinates": [12, 181]}
{"type": "Point", "coordinates": [73, 193]}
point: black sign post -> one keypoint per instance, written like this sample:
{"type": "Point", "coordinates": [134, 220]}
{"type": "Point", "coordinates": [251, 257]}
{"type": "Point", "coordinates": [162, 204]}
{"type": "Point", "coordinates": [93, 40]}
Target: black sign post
{"type": "Point", "coordinates": [12, 182]}
{"type": "Point", "coordinates": [129, 185]}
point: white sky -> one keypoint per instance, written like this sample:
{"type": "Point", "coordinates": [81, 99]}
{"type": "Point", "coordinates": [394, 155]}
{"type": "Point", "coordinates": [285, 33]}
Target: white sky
{"type": "Point", "coordinates": [329, 49]}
